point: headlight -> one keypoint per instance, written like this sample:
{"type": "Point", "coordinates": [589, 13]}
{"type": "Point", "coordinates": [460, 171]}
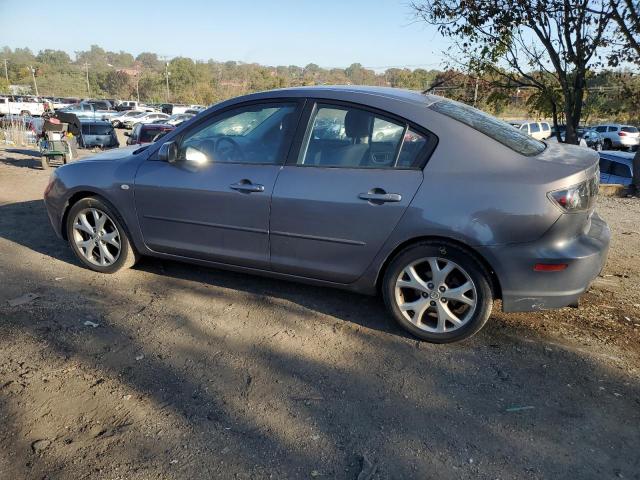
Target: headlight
{"type": "Point", "coordinates": [578, 197]}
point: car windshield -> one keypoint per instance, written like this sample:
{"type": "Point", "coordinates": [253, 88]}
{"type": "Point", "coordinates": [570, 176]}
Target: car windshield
{"type": "Point", "coordinates": [238, 125]}
{"type": "Point", "coordinates": [492, 127]}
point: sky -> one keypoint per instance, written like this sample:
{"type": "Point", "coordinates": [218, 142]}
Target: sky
{"type": "Point", "coordinates": [331, 33]}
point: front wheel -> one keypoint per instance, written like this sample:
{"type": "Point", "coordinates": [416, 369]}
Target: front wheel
{"type": "Point", "coordinates": [438, 292]}
{"type": "Point", "coordinates": [97, 236]}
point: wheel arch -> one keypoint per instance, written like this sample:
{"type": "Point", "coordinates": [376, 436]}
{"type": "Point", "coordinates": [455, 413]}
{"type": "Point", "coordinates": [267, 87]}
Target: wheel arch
{"type": "Point", "coordinates": [75, 198]}
{"type": "Point", "coordinates": [493, 277]}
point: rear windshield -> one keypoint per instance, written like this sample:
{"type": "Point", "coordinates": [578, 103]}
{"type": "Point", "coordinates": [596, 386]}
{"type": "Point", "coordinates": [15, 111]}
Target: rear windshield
{"type": "Point", "coordinates": [629, 129]}
{"type": "Point", "coordinates": [102, 129]}
{"type": "Point", "coordinates": [148, 134]}
{"type": "Point", "coordinates": [492, 127]}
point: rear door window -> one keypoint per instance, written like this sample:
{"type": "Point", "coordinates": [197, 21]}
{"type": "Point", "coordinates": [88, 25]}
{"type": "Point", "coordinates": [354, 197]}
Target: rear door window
{"type": "Point", "coordinates": [350, 137]}
{"type": "Point", "coordinates": [612, 129]}
{"type": "Point", "coordinates": [490, 126]}
{"type": "Point", "coordinates": [601, 129]}
{"type": "Point", "coordinates": [534, 127]}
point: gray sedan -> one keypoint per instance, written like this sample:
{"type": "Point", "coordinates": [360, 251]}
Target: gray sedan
{"type": "Point", "coordinates": [446, 212]}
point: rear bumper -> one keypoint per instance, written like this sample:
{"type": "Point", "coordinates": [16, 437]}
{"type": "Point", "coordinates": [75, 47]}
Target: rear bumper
{"type": "Point", "coordinates": [524, 289]}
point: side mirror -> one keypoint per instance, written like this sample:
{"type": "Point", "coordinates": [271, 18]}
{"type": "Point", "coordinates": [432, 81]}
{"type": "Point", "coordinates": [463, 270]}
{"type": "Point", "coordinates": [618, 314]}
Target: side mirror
{"type": "Point", "coordinates": [168, 152]}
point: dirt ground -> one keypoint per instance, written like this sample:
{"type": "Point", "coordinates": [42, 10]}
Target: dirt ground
{"type": "Point", "coordinates": [174, 371]}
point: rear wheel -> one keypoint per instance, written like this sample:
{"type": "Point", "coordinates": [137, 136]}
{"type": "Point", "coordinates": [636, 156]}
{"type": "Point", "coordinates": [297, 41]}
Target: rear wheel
{"type": "Point", "coordinates": [606, 144]}
{"type": "Point", "coordinates": [438, 292]}
{"type": "Point", "coordinates": [97, 236]}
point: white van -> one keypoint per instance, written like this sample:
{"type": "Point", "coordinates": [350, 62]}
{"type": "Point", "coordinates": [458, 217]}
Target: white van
{"type": "Point", "coordinates": [537, 130]}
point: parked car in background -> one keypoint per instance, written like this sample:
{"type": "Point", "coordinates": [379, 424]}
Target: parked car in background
{"type": "Point", "coordinates": [616, 135]}
{"type": "Point", "coordinates": [173, 108]}
{"type": "Point", "coordinates": [87, 110]}
{"type": "Point", "coordinates": [537, 130]}
{"type": "Point", "coordinates": [127, 105]}
{"type": "Point", "coordinates": [193, 111]}
{"type": "Point", "coordinates": [143, 117]}
{"type": "Point", "coordinates": [101, 104]}
{"type": "Point", "coordinates": [118, 119]}
{"type": "Point", "coordinates": [98, 133]}
{"type": "Point", "coordinates": [176, 120]}
{"type": "Point", "coordinates": [441, 225]}
{"type": "Point", "coordinates": [616, 167]}
{"type": "Point", "coordinates": [594, 139]}
{"type": "Point", "coordinates": [10, 105]}
{"type": "Point", "coordinates": [146, 133]}
{"type": "Point", "coordinates": [563, 132]}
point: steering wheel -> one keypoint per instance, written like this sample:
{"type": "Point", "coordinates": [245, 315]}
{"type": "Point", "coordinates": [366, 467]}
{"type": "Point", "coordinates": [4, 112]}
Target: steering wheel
{"type": "Point", "coordinates": [228, 150]}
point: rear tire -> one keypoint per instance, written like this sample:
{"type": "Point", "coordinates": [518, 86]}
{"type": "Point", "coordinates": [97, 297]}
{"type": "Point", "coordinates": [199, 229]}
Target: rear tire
{"type": "Point", "coordinates": [438, 292]}
{"type": "Point", "coordinates": [606, 144]}
{"type": "Point", "coordinates": [97, 236]}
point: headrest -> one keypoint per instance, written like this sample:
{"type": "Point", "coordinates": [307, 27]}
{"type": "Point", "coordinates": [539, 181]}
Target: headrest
{"type": "Point", "coordinates": [357, 124]}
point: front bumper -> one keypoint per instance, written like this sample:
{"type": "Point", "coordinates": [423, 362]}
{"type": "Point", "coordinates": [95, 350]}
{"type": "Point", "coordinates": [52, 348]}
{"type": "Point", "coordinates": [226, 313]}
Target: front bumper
{"type": "Point", "coordinates": [524, 289]}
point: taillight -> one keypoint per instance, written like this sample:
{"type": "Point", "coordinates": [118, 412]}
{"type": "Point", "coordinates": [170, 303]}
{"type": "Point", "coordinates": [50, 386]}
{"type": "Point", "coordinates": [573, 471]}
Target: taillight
{"type": "Point", "coordinates": [578, 197]}
{"type": "Point", "coordinates": [622, 134]}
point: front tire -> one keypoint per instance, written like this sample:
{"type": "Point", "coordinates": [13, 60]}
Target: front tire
{"type": "Point", "coordinates": [97, 236]}
{"type": "Point", "coordinates": [438, 292]}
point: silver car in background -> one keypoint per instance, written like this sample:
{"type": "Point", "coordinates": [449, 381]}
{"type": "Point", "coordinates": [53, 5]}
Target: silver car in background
{"type": "Point", "coordinates": [447, 211]}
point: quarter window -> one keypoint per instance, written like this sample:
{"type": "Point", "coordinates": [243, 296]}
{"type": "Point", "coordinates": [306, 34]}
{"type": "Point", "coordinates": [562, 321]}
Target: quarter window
{"type": "Point", "coordinates": [350, 137]}
{"type": "Point", "coordinates": [254, 134]}
{"type": "Point", "coordinates": [620, 170]}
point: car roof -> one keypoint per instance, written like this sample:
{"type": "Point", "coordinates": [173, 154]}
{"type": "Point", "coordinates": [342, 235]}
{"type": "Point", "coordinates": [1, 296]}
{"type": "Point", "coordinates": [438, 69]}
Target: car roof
{"type": "Point", "coordinates": [94, 122]}
{"type": "Point", "coordinates": [157, 126]}
{"type": "Point", "coordinates": [621, 157]}
{"type": "Point", "coordinates": [338, 91]}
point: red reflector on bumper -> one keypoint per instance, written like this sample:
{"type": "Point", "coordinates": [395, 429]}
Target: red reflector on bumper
{"type": "Point", "coordinates": [549, 267]}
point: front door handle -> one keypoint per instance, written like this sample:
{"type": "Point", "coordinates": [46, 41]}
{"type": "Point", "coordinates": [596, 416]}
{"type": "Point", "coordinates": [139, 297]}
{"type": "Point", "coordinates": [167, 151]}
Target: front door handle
{"type": "Point", "coordinates": [246, 186]}
{"type": "Point", "coordinates": [378, 196]}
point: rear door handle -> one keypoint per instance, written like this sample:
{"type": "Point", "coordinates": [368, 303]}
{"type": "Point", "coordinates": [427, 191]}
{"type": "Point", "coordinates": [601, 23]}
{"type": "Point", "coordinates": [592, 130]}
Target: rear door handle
{"type": "Point", "coordinates": [246, 186]}
{"type": "Point", "coordinates": [380, 197]}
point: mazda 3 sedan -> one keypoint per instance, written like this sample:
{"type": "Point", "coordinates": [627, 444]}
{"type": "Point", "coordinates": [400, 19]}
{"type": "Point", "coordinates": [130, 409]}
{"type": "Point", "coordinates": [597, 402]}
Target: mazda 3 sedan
{"type": "Point", "coordinates": [447, 211]}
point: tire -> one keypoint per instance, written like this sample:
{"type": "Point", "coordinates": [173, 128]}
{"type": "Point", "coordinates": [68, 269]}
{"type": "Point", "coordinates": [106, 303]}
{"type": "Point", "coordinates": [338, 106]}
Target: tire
{"type": "Point", "coordinates": [441, 319]}
{"type": "Point", "coordinates": [606, 144]}
{"type": "Point", "coordinates": [123, 256]}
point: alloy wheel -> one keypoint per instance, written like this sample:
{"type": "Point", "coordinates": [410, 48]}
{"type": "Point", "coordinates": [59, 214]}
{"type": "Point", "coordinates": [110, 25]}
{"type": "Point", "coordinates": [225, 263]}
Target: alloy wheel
{"type": "Point", "coordinates": [436, 295]}
{"type": "Point", "coordinates": [96, 236]}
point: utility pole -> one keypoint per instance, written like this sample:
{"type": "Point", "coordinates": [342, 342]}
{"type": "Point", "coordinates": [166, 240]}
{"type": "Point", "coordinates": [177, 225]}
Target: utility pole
{"type": "Point", "coordinates": [33, 75]}
{"type": "Point", "coordinates": [138, 85]}
{"type": "Point", "coordinates": [6, 73]}
{"type": "Point", "coordinates": [86, 68]}
{"type": "Point", "coordinates": [475, 93]}
{"type": "Point", "coordinates": [167, 73]}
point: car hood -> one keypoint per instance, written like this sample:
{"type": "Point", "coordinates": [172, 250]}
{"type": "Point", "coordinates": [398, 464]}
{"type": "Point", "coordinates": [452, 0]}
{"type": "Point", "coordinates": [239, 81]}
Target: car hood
{"type": "Point", "coordinates": [116, 154]}
{"type": "Point", "coordinates": [571, 155]}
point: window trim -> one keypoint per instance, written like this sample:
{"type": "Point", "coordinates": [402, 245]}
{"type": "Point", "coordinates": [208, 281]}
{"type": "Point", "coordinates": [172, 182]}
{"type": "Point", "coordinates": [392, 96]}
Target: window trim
{"type": "Point", "coordinates": [305, 127]}
{"type": "Point", "coordinates": [299, 107]}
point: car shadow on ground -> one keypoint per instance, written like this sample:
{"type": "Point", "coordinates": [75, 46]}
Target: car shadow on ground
{"type": "Point", "coordinates": [32, 162]}
{"type": "Point", "coordinates": [27, 224]}
{"type": "Point", "coordinates": [218, 394]}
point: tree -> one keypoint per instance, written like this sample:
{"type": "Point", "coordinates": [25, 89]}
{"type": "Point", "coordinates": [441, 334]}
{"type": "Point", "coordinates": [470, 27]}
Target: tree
{"type": "Point", "coordinates": [53, 57]}
{"type": "Point", "coordinates": [626, 15]}
{"type": "Point", "coordinates": [544, 44]}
